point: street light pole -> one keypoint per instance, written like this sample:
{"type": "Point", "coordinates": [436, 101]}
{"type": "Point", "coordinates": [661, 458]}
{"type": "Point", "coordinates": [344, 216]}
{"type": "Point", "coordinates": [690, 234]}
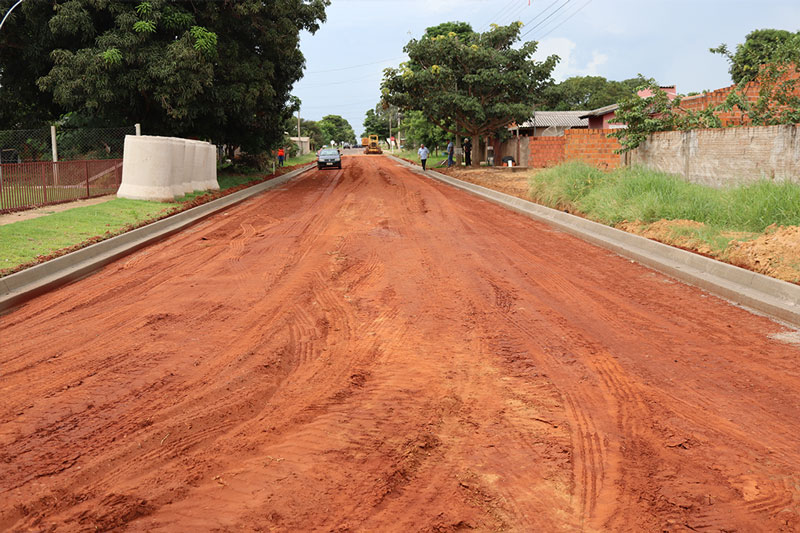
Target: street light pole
{"type": "Point", "coordinates": [9, 12]}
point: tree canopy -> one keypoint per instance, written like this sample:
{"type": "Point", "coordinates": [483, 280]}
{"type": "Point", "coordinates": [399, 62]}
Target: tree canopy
{"type": "Point", "coordinates": [588, 92]}
{"type": "Point", "coordinates": [467, 82]}
{"type": "Point", "coordinates": [760, 47]}
{"type": "Point", "coordinates": [335, 128]}
{"type": "Point", "coordinates": [219, 70]}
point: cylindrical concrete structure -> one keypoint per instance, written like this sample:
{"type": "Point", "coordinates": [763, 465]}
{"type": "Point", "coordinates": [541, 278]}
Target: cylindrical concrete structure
{"type": "Point", "coordinates": [188, 166]}
{"type": "Point", "coordinates": [178, 147]}
{"type": "Point", "coordinates": [147, 169]}
{"type": "Point", "coordinates": [198, 165]}
{"type": "Point", "coordinates": [211, 168]}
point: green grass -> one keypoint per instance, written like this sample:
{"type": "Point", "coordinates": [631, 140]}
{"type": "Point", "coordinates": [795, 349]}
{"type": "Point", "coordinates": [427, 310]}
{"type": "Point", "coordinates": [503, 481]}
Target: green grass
{"type": "Point", "coordinates": [23, 241]}
{"type": "Point", "coordinates": [638, 194]}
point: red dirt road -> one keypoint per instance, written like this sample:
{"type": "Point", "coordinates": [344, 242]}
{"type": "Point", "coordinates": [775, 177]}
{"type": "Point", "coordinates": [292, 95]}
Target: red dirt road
{"type": "Point", "coordinates": [370, 350]}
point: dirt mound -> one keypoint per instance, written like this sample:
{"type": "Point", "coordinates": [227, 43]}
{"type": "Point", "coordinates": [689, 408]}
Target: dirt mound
{"type": "Point", "coordinates": [776, 253]}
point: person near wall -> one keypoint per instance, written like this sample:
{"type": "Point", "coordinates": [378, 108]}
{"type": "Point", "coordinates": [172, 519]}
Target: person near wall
{"type": "Point", "coordinates": [281, 155]}
{"type": "Point", "coordinates": [451, 150]}
{"type": "Point", "coordinates": [423, 155]}
{"type": "Point", "coordinates": [468, 152]}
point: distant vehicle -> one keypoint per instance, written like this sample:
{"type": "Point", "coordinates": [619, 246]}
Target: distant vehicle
{"type": "Point", "coordinates": [374, 146]}
{"type": "Point", "coordinates": [346, 146]}
{"type": "Point", "coordinates": [329, 157]}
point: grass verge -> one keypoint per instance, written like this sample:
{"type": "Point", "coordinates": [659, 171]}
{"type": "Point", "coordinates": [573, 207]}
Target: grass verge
{"type": "Point", "coordinates": [28, 242]}
{"type": "Point", "coordinates": [642, 196]}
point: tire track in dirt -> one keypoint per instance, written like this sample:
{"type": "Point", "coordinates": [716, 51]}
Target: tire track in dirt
{"type": "Point", "coordinates": [370, 350]}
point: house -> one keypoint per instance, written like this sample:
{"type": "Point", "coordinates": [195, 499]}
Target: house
{"type": "Point", "coordinates": [602, 117]}
{"type": "Point", "coordinates": [550, 123]}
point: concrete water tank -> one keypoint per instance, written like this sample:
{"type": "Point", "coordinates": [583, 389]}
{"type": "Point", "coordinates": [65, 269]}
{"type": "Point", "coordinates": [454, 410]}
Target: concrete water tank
{"type": "Point", "coordinates": [147, 169]}
{"type": "Point", "coordinates": [188, 166]}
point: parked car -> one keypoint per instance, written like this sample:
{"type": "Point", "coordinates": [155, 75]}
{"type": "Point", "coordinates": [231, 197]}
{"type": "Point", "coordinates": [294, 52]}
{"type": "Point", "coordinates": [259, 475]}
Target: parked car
{"type": "Point", "coordinates": [329, 157]}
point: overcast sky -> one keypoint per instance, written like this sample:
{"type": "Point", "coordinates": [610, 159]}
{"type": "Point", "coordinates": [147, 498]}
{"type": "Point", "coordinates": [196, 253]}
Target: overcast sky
{"type": "Point", "coordinates": [617, 39]}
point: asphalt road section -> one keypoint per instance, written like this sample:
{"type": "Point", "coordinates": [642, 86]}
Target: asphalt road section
{"type": "Point", "coordinates": [367, 349]}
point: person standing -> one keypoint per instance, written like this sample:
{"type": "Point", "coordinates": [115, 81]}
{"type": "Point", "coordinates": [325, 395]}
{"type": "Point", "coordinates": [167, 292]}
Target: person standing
{"type": "Point", "coordinates": [281, 155]}
{"type": "Point", "coordinates": [451, 149]}
{"type": "Point", "coordinates": [468, 152]}
{"type": "Point", "coordinates": [423, 155]}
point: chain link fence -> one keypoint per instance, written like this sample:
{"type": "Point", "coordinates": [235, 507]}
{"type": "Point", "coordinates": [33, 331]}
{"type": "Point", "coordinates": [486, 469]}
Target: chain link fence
{"type": "Point", "coordinates": [72, 144]}
{"type": "Point", "coordinates": [89, 163]}
{"type": "Point", "coordinates": [23, 146]}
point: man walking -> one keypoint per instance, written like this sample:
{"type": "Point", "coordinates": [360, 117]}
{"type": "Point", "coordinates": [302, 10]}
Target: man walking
{"type": "Point", "coordinates": [423, 155]}
{"type": "Point", "coordinates": [451, 149]}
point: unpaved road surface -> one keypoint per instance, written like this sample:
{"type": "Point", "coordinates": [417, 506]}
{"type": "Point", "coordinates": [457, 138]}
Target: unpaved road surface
{"type": "Point", "coordinates": [371, 350]}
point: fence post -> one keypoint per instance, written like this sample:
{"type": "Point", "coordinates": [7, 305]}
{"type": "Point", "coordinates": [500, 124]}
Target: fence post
{"type": "Point", "coordinates": [138, 129]}
{"type": "Point", "coordinates": [54, 146]}
{"type": "Point", "coordinates": [86, 166]}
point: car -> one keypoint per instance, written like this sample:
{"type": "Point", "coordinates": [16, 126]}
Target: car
{"type": "Point", "coordinates": [346, 146]}
{"type": "Point", "coordinates": [329, 157]}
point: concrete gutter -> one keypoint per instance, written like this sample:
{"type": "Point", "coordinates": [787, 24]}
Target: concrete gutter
{"type": "Point", "coordinates": [774, 297]}
{"type": "Point", "coordinates": [20, 287]}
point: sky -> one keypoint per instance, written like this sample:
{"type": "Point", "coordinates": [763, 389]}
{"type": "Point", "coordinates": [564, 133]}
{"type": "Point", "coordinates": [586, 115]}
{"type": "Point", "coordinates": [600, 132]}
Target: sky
{"type": "Point", "coordinates": [663, 39]}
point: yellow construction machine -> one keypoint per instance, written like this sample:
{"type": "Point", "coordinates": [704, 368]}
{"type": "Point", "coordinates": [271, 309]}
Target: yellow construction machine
{"type": "Point", "coordinates": [373, 147]}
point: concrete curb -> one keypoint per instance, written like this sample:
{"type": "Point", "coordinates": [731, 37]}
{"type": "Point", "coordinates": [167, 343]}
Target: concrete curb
{"type": "Point", "coordinates": [758, 292]}
{"type": "Point", "coordinates": [20, 287]}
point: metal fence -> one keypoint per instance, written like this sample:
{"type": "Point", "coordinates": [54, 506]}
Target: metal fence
{"type": "Point", "coordinates": [32, 184]}
{"type": "Point", "coordinates": [88, 163]}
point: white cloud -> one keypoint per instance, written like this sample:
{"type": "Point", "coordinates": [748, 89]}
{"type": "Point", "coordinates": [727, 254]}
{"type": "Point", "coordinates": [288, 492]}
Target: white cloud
{"type": "Point", "coordinates": [569, 64]}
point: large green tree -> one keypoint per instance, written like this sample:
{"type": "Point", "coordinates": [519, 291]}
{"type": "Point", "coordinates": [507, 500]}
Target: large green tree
{"type": "Point", "coordinates": [760, 47]}
{"type": "Point", "coordinates": [219, 70]}
{"type": "Point", "coordinates": [588, 92]}
{"type": "Point", "coordinates": [336, 128]}
{"type": "Point", "coordinates": [469, 83]}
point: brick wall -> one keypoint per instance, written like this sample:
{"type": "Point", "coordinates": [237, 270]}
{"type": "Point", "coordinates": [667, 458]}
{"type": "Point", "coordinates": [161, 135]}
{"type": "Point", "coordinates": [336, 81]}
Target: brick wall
{"type": "Point", "coordinates": [545, 151]}
{"type": "Point", "coordinates": [593, 147]}
{"type": "Point", "coordinates": [725, 156]}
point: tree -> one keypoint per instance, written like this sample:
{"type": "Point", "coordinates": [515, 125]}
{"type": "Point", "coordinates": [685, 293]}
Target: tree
{"type": "Point", "coordinates": [335, 128]}
{"type": "Point", "coordinates": [469, 83]}
{"type": "Point", "coordinates": [760, 47]}
{"type": "Point", "coordinates": [419, 130]}
{"type": "Point", "coordinates": [587, 92]}
{"type": "Point", "coordinates": [218, 70]}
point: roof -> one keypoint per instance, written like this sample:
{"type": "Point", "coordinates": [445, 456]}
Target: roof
{"type": "Point", "coordinates": [600, 111]}
{"type": "Point", "coordinates": [544, 119]}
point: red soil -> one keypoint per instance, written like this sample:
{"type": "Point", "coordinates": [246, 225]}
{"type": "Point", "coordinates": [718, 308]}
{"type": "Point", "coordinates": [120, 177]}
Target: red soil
{"type": "Point", "coordinates": [370, 350]}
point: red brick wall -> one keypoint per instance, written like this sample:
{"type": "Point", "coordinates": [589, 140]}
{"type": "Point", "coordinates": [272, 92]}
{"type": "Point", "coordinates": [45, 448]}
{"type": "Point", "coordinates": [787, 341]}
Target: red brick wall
{"type": "Point", "coordinates": [593, 147]}
{"type": "Point", "coordinates": [546, 151]}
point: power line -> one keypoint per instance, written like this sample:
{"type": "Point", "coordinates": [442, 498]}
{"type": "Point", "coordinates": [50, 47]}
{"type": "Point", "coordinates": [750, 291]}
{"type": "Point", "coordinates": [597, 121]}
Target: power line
{"type": "Point", "coordinates": [559, 8]}
{"type": "Point", "coordinates": [498, 15]}
{"type": "Point", "coordinates": [512, 16]}
{"type": "Point", "coordinates": [565, 20]}
{"type": "Point", "coordinates": [355, 66]}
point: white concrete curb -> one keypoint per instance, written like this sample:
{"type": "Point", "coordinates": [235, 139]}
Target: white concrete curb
{"type": "Point", "coordinates": [17, 288]}
{"type": "Point", "coordinates": [767, 295]}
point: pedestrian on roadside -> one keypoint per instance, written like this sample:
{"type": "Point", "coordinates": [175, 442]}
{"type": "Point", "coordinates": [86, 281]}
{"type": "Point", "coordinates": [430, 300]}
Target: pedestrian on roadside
{"type": "Point", "coordinates": [423, 155]}
{"type": "Point", "coordinates": [281, 155]}
{"type": "Point", "coordinates": [451, 149]}
{"type": "Point", "coordinates": [468, 152]}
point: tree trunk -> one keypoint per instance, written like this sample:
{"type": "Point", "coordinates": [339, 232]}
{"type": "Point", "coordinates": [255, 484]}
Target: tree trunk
{"type": "Point", "coordinates": [476, 145]}
{"type": "Point", "coordinates": [458, 150]}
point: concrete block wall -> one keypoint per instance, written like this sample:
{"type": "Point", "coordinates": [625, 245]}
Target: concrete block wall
{"type": "Point", "coordinates": [163, 168]}
{"type": "Point", "coordinates": [726, 156]}
{"type": "Point", "coordinates": [593, 147]}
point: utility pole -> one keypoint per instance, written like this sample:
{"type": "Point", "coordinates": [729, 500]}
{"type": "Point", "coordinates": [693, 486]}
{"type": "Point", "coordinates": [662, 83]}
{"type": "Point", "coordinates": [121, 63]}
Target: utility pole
{"type": "Point", "coordinates": [390, 131]}
{"type": "Point", "coordinates": [299, 142]}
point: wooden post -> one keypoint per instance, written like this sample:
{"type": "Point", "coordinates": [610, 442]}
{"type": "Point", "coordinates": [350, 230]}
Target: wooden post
{"type": "Point", "coordinates": [86, 167]}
